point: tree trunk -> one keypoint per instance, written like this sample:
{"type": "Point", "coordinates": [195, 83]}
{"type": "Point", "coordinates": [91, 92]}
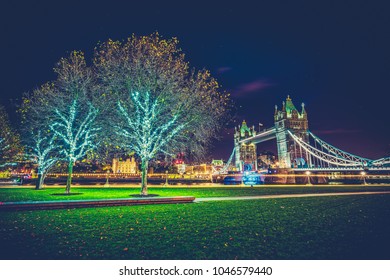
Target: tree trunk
{"type": "Point", "coordinates": [107, 184]}
{"type": "Point", "coordinates": [39, 183]}
{"type": "Point", "coordinates": [144, 180]}
{"type": "Point", "coordinates": [70, 174]}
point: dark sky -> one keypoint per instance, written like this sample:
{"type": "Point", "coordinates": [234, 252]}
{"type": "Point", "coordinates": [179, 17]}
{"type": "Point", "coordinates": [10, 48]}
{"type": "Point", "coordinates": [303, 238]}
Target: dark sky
{"type": "Point", "coordinates": [332, 55]}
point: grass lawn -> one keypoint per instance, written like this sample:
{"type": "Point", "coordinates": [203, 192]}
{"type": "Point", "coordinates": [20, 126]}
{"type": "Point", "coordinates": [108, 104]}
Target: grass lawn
{"type": "Point", "coordinates": [29, 194]}
{"type": "Point", "coordinates": [355, 227]}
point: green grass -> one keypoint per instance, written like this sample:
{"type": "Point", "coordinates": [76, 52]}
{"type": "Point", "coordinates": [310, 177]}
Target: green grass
{"type": "Point", "coordinates": [355, 227]}
{"type": "Point", "coordinates": [29, 194]}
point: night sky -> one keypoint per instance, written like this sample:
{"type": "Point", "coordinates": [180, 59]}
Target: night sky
{"type": "Point", "coordinates": [332, 55]}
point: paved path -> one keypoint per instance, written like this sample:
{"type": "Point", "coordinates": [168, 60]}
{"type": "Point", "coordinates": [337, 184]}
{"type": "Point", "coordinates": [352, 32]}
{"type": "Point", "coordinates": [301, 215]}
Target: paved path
{"type": "Point", "coordinates": [205, 199]}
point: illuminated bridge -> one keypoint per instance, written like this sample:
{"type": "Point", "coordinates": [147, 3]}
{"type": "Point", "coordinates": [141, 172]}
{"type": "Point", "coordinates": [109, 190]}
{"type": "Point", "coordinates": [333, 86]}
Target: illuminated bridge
{"type": "Point", "coordinates": [298, 148]}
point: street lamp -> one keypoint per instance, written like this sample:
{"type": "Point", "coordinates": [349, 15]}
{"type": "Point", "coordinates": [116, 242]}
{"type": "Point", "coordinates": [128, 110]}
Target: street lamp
{"type": "Point", "coordinates": [308, 178]}
{"type": "Point", "coordinates": [364, 177]}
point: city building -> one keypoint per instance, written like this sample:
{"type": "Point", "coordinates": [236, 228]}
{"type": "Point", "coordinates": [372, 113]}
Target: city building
{"type": "Point", "coordinates": [127, 166]}
{"type": "Point", "coordinates": [266, 159]}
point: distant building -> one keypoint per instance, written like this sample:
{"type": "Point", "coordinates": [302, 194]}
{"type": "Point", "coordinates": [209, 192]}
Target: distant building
{"type": "Point", "coordinates": [179, 159]}
{"type": "Point", "coordinates": [266, 159]}
{"type": "Point", "coordinates": [217, 162]}
{"type": "Point", "coordinates": [193, 169]}
{"type": "Point", "coordinates": [127, 166]}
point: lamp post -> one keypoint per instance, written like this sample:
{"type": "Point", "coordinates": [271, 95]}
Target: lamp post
{"type": "Point", "coordinates": [364, 177]}
{"type": "Point", "coordinates": [308, 178]}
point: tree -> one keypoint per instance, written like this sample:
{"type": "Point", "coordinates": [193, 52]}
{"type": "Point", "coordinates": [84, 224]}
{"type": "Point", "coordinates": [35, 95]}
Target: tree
{"type": "Point", "coordinates": [78, 135]}
{"type": "Point", "coordinates": [3, 145]}
{"type": "Point", "coordinates": [163, 107]}
{"type": "Point", "coordinates": [36, 117]}
{"type": "Point", "coordinates": [10, 146]}
{"type": "Point", "coordinates": [44, 152]}
{"type": "Point", "coordinates": [65, 108]}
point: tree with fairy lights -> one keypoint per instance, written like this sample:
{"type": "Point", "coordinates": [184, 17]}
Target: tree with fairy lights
{"type": "Point", "coordinates": [41, 144]}
{"type": "Point", "coordinates": [162, 106]}
{"type": "Point", "coordinates": [45, 153]}
{"type": "Point", "coordinates": [66, 110]}
{"type": "Point", "coordinates": [3, 147]}
{"type": "Point", "coordinates": [40, 141]}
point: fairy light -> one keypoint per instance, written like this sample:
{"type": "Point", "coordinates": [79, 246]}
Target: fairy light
{"type": "Point", "coordinates": [42, 152]}
{"type": "Point", "coordinates": [3, 147]}
{"type": "Point", "coordinates": [78, 138]}
{"type": "Point", "coordinates": [146, 137]}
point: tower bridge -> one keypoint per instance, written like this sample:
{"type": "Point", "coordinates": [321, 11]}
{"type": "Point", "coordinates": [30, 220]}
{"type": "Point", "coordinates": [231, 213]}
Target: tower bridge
{"type": "Point", "coordinates": [298, 148]}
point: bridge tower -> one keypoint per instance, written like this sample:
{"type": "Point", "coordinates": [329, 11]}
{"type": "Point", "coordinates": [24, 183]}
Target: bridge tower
{"type": "Point", "coordinates": [246, 156]}
{"type": "Point", "coordinates": [288, 118]}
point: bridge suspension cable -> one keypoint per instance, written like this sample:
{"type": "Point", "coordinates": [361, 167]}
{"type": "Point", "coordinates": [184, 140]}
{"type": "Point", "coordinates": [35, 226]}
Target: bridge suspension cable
{"type": "Point", "coordinates": [329, 158]}
{"type": "Point", "coordinates": [226, 166]}
{"type": "Point", "coordinates": [339, 153]}
{"type": "Point", "coordinates": [381, 161]}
